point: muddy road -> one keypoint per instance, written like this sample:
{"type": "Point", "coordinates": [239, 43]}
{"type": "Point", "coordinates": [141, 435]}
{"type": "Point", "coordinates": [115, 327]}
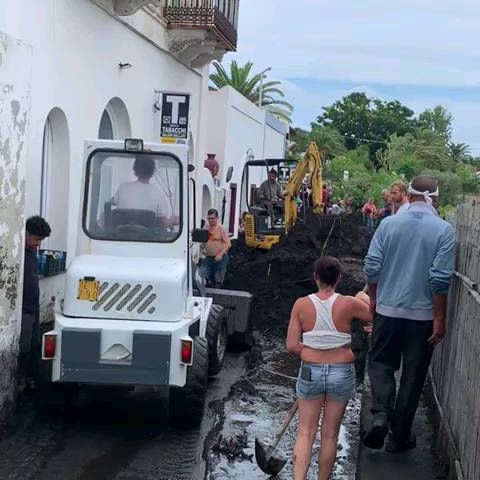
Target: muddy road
{"type": "Point", "coordinates": [122, 437]}
{"type": "Point", "coordinates": [127, 437]}
{"type": "Point", "coordinates": [256, 407]}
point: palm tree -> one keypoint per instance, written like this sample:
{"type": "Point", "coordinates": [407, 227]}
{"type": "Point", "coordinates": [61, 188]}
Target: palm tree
{"type": "Point", "coordinates": [253, 87]}
{"type": "Point", "coordinates": [429, 147]}
{"type": "Point", "coordinates": [460, 152]}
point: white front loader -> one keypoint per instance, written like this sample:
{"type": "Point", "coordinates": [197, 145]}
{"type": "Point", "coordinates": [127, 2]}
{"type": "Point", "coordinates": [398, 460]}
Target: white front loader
{"type": "Point", "coordinates": [129, 313]}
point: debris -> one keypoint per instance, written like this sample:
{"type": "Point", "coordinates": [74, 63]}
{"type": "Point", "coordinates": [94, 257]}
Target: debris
{"type": "Point", "coordinates": [278, 277]}
{"type": "Point", "coordinates": [233, 448]}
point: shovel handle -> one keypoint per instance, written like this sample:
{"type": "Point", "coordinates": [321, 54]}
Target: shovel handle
{"type": "Point", "coordinates": [286, 423]}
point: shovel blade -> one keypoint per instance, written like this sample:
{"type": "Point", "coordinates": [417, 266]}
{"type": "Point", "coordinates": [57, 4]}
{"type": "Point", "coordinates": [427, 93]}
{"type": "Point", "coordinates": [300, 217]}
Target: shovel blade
{"type": "Point", "coordinates": [269, 462]}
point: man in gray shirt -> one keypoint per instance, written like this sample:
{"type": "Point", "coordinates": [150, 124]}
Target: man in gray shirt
{"type": "Point", "coordinates": [270, 192]}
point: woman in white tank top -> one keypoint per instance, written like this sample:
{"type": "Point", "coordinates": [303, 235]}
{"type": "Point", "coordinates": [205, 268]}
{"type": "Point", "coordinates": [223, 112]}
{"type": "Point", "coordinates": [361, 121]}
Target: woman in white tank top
{"type": "Point", "coordinates": [319, 333]}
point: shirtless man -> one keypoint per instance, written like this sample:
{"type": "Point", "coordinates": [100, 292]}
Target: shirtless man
{"type": "Point", "coordinates": [214, 266]}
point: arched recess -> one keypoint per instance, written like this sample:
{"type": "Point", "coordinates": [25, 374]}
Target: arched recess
{"type": "Point", "coordinates": [206, 201]}
{"type": "Point", "coordinates": [115, 121]}
{"type": "Point", "coordinates": [54, 200]}
{"type": "Point", "coordinates": [193, 199]}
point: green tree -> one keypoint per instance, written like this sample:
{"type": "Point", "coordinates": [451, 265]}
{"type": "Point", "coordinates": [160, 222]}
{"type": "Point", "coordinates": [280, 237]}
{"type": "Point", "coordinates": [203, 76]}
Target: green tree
{"type": "Point", "coordinates": [325, 137]}
{"type": "Point", "coordinates": [438, 120]}
{"type": "Point", "coordinates": [449, 185]}
{"type": "Point", "coordinates": [460, 152]}
{"type": "Point", "coordinates": [354, 162]}
{"type": "Point", "coordinates": [350, 117]}
{"type": "Point", "coordinates": [466, 173]}
{"type": "Point", "coordinates": [363, 120]}
{"type": "Point", "coordinates": [252, 86]}
{"type": "Point", "coordinates": [329, 138]}
{"type": "Point", "coordinates": [430, 148]}
{"type": "Point", "coordinates": [299, 139]}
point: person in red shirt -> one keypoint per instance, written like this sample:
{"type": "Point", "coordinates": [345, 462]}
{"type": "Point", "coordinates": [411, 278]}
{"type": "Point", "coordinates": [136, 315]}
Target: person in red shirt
{"type": "Point", "coordinates": [369, 211]}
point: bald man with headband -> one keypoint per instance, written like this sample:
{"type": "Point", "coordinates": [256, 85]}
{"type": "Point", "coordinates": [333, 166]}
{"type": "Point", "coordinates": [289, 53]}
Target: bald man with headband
{"type": "Point", "coordinates": [409, 266]}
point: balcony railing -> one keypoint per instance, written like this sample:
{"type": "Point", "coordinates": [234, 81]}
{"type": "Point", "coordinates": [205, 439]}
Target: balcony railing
{"type": "Point", "coordinates": [217, 16]}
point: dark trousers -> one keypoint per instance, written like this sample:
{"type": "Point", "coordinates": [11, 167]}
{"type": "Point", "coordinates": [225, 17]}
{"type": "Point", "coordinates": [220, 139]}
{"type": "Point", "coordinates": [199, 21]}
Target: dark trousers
{"type": "Point", "coordinates": [30, 345]}
{"type": "Point", "coordinates": [398, 341]}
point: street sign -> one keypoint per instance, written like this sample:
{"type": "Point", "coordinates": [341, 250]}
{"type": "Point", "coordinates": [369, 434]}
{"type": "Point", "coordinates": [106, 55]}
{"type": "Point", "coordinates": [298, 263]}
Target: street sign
{"type": "Point", "coordinates": [175, 117]}
{"type": "Point", "coordinates": [285, 172]}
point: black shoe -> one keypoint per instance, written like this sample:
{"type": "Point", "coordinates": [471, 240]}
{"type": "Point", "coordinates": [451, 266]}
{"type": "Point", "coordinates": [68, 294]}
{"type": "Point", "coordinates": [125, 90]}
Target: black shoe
{"type": "Point", "coordinates": [375, 437]}
{"type": "Point", "coordinates": [394, 445]}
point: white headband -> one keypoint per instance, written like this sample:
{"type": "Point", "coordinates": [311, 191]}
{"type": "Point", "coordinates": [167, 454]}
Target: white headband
{"type": "Point", "coordinates": [426, 194]}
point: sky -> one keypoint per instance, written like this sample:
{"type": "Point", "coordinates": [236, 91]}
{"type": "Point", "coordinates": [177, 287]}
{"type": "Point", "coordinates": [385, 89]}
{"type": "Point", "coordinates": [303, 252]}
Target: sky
{"type": "Point", "coordinates": [421, 52]}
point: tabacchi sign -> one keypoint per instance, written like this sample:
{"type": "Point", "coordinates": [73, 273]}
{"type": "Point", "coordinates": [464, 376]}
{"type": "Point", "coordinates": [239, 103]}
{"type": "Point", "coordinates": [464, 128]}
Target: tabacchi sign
{"type": "Point", "coordinates": [175, 117]}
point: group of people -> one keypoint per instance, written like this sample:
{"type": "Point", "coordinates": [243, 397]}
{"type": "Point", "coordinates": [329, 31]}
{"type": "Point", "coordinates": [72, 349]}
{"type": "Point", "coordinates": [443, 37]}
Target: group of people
{"type": "Point", "coordinates": [395, 200]}
{"type": "Point", "coordinates": [408, 268]}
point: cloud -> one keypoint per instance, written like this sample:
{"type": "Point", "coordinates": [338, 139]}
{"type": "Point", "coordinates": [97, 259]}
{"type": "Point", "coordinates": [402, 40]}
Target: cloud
{"type": "Point", "coordinates": [412, 42]}
{"type": "Point", "coordinates": [422, 52]}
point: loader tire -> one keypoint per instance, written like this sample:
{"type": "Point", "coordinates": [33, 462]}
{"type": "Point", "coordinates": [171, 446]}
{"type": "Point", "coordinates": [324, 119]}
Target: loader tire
{"type": "Point", "coordinates": [217, 336]}
{"type": "Point", "coordinates": [186, 403]}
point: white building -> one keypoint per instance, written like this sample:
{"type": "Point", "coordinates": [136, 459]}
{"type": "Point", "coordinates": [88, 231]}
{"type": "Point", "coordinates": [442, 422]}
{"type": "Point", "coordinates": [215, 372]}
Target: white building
{"type": "Point", "coordinates": [238, 131]}
{"type": "Point", "coordinates": [71, 70]}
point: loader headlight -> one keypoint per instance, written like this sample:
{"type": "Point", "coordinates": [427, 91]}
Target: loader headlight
{"type": "Point", "coordinates": [134, 145]}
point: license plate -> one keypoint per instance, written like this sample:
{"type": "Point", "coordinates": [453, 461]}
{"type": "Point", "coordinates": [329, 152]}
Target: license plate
{"type": "Point", "coordinates": [88, 290]}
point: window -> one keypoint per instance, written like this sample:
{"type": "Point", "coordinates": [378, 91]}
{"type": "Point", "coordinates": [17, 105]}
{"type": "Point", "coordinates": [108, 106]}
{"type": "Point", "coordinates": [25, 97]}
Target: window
{"type": "Point", "coordinates": [54, 193]}
{"type": "Point", "coordinates": [115, 121]}
{"type": "Point", "coordinates": [133, 197]}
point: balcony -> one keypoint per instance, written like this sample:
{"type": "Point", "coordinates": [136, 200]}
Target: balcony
{"type": "Point", "coordinates": [201, 30]}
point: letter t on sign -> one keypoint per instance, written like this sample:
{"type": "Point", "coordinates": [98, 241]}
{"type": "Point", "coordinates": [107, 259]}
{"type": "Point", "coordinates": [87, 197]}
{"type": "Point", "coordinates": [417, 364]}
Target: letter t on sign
{"type": "Point", "coordinates": [176, 101]}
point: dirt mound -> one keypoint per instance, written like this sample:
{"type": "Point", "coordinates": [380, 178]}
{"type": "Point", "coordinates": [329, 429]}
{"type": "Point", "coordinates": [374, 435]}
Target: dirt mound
{"type": "Point", "coordinates": [278, 277]}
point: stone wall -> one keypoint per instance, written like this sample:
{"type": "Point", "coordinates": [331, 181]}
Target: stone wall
{"type": "Point", "coordinates": [14, 115]}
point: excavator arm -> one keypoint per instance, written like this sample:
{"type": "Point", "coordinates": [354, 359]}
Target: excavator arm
{"type": "Point", "coordinates": [310, 164]}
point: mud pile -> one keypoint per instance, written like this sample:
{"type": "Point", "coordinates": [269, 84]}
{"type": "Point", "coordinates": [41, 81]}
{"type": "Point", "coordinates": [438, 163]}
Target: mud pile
{"type": "Point", "coordinates": [278, 277]}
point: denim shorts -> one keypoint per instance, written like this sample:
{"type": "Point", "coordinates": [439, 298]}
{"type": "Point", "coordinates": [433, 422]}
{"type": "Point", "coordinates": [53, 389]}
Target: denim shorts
{"type": "Point", "coordinates": [316, 380]}
{"type": "Point", "coordinates": [213, 270]}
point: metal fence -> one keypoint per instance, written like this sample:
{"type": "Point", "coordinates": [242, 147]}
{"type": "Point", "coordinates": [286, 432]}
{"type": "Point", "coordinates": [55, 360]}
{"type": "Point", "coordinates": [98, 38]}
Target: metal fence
{"type": "Point", "coordinates": [455, 370]}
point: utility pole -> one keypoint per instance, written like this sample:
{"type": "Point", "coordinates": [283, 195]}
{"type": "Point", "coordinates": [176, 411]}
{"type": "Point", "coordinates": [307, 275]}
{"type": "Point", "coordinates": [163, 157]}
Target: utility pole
{"type": "Point", "coordinates": [262, 77]}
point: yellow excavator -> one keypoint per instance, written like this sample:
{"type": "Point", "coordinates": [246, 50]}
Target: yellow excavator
{"type": "Point", "coordinates": [262, 231]}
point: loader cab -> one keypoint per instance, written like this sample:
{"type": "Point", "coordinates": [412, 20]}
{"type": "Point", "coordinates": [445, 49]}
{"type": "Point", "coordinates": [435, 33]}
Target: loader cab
{"type": "Point", "coordinates": [133, 197]}
{"type": "Point", "coordinates": [133, 249]}
{"type": "Point", "coordinates": [262, 230]}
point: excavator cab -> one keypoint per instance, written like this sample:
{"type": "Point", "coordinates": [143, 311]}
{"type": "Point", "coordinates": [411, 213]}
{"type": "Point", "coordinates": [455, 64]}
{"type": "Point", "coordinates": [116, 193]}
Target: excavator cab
{"type": "Point", "coordinates": [263, 226]}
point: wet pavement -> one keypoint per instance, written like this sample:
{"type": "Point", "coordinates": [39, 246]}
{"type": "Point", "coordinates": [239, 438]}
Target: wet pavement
{"type": "Point", "coordinates": [416, 464]}
{"type": "Point", "coordinates": [257, 406]}
{"type": "Point", "coordinates": [126, 436]}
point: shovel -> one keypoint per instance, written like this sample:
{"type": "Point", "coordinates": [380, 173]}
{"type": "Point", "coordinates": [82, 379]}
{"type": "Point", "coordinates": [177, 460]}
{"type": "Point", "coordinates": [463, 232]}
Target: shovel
{"type": "Point", "coordinates": [268, 462]}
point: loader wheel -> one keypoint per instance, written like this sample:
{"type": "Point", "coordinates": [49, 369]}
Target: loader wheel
{"type": "Point", "coordinates": [217, 336]}
{"type": "Point", "coordinates": [186, 404]}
